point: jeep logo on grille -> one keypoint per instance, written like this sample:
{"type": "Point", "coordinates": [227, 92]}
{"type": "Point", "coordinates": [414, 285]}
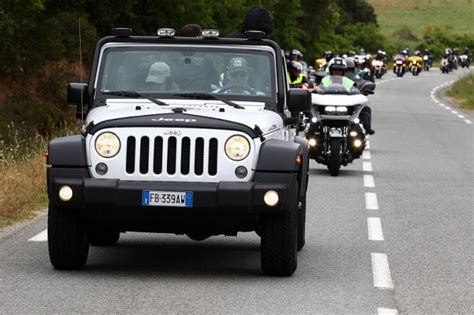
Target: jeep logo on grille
{"type": "Point", "coordinates": [169, 132]}
{"type": "Point", "coordinates": [175, 119]}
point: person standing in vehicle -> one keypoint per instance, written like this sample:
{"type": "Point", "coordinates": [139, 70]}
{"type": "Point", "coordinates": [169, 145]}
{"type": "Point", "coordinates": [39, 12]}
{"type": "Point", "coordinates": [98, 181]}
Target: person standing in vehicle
{"type": "Point", "coordinates": [191, 30]}
{"type": "Point", "coordinates": [257, 19]}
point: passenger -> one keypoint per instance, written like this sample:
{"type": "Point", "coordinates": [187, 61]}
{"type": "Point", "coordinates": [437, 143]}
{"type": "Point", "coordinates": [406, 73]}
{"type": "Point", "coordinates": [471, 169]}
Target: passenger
{"type": "Point", "coordinates": [257, 19]}
{"type": "Point", "coordinates": [159, 78]}
{"type": "Point", "coordinates": [191, 30]}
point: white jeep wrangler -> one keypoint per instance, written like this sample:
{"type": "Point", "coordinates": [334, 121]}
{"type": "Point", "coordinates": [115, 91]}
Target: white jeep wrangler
{"type": "Point", "coordinates": [182, 135]}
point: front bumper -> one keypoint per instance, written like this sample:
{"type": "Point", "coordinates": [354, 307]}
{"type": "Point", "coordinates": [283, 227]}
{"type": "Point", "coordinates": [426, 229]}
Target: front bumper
{"type": "Point", "coordinates": [221, 197]}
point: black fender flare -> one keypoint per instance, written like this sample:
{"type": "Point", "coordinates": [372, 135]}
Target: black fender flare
{"type": "Point", "coordinates": [278, 156]}
{"type": "Point", "coordinates": [304, 169]}
{"type": "Point", "coordinates": [67, 151]}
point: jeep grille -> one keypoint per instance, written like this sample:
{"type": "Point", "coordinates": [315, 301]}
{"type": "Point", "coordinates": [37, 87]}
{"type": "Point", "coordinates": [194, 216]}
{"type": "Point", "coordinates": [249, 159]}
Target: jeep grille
{"type": "Point", "coordinates": [168, 147]}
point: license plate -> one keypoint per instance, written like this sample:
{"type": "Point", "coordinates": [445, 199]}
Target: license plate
{"type": "Point", "coordinates": [167, 198]}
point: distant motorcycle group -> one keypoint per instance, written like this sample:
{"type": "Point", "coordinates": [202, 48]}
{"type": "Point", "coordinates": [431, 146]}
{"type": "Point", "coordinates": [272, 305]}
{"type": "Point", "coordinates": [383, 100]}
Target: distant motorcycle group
{"type": "Point", "coordinates": [452, 59]}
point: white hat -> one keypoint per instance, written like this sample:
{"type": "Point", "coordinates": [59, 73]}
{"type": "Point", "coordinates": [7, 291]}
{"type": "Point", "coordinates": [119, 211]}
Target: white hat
{"type": "Point", "coordinates": [158, 73]}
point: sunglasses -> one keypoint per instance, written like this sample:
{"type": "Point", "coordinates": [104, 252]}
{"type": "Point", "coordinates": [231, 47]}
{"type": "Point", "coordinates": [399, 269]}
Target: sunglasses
{"type": "Point", "coordinates": [240, 74]}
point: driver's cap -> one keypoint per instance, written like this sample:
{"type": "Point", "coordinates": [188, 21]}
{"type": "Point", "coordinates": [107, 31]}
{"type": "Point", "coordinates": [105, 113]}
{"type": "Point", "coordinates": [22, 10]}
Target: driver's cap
{"type": "Point", "coordinates": [237, 64]}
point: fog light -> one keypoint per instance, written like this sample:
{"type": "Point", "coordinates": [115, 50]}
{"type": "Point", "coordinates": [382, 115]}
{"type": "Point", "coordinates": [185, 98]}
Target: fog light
{"type": "Point", "coordinates": [312, 142]}
{"type": "Point", "coordinates": [314, 120]}
{"type": "Point", "coordinates": [271, 198]}
{"type": "Point", "coordinates": [353, 133]}
{"type": "Point", "coordinates": [241, 172]}
{"type": "Point", "coordinates": [65, 193]}
{"type": "Point", "coordinates": [356, 120]}
{"type": "Point", "coordinates": [101, 168]}
{"type": "Point", "coordinates": [357, 143]}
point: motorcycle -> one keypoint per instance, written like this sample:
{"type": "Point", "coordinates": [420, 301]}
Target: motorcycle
{"type": "Point", "coordinates": [444, 65]}
{"type": "Point", "coordinates": [427, 62]}
{"type": "Point", "coordinates": [464, 61]}
{"type": "Point", "coordinates": [453, 62]}
{"type": "Point", "coordinates": [379, 68]}
{"type": "Point", "coordinates": [335, 134]}
{"type": "Point", "coordinates": [399, 66]}
{"type": "Point", "coordinates": [414, 64]}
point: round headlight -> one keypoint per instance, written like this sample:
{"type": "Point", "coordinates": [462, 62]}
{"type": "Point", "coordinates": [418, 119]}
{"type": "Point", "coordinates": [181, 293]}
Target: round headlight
{"type": "Point", "coordinates": [107, 144]}
{"type": "Point", "coordinates": [237, 148]}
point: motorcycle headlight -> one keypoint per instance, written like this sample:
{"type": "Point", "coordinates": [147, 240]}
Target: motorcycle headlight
{"type": "Point", "coordinates": [330, 109]}
{"type": "Point", "coordinates": [107, 144]}
{"type": "Point", "coordinates": [237, 148]}
{"type": "Point", "coordinates": [341, 109]}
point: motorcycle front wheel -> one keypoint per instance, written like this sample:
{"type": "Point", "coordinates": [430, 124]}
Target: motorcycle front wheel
{"type": "Point", "coordinates": [335, 159]}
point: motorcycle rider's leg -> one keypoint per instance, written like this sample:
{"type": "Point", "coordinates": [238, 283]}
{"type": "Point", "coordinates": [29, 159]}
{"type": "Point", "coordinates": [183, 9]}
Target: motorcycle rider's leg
{"type": "Point", "coordinates": [365, 117]}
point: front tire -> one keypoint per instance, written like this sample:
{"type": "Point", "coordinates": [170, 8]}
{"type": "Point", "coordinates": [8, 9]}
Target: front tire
{"type": "Point", "coordinates": [279, 241]}
{"type": "Point", "coordinates": [335, 159]}
{"type": "Point", "coordinates": [67, 239]}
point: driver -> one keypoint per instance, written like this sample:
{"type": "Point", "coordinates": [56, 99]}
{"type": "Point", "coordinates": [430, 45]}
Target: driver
{"type": "Point", "coordinates": [237, 75]}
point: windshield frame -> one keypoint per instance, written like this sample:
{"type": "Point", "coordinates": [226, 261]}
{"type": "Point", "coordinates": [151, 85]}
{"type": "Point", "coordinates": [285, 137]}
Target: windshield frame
{"type": "Point", "coordinates": [270, 101]}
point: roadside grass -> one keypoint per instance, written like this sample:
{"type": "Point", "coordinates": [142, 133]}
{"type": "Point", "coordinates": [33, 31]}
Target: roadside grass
{"type": "Point", "coordinates": [23, 173]}
{"type": "Point", "coordinates": [22, 189]}
{"type": "Point", "coordinates": [463, 92]}
{"type": "Point", "coordinates": [453, 16]}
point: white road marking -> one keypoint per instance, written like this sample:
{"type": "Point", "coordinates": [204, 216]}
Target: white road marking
{"type": "Point", "coordinates": [454, 112]}
{"type": "Point", "coordinates": [461, 116]}
{"type": "Point", "coordinates": [366, 155]}
{"type": "Point", "coordinates": [40, 237]}
{"type": "Point", "coordinates": [367, 146]}
{"type": "Point", "coordinates": [369, 181]}
{"type": "Point", "coordinates": [374, 228]}
{"type": "Point", "coordinates": [447, 108]}
{"type": "Point", "coordinates": [371, 202]}
{"type": "Point", "coordinates": [386, 311]}
{"type": "Point", "coordinates": [468, 121]}
{"type": "Point", "coordinates": [367, 166]}
{"type": "Point", "coordinates": [381, 271]}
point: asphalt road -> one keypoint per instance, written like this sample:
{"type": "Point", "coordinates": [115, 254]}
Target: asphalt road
{"type": "Point", "coordinates": [392, 233]}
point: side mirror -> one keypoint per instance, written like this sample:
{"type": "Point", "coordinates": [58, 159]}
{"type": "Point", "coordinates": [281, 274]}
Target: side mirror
{"type": "Point", "coordinates": [367, 88]}
{"type": "Point", "coordinates": [77, 95]}
{"type": "Point", "coordinates": [298, 100]}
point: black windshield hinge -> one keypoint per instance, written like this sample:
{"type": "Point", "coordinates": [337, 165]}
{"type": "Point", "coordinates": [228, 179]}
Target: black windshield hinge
{"type": "Point", "coordinates": [259, 132]}
{"type": "Point", "coordinates": [88, 128]}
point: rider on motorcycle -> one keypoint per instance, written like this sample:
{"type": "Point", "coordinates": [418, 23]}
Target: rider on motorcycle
{"type": "Point", "coordinates": [295, 75]}
{"type": "Point", "coordinates": [337, 74]}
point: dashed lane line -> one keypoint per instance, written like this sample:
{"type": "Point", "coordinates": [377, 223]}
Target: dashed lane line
{"type": "Point", "coordinates": [386, 311]}
{"type": "Point", "coordinates": [40, 237]}
{"type": "Point", "coordinates": [367, 166]}
{"type": "Point", "coordinates": [381, 271]}
{"type": "Point", "coordinates": [435, 100]}
{"type": "Point", "coordinates": [371, 202]}
{"type": "Point", "coordinates": [369, 181]}
{"type": "Point", "coordinates": [374, 228]}
{"type": "Point", "coordinates": [366, 155]}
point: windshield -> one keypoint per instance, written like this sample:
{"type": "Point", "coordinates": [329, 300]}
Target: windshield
{"type": "Point", "coordinates": [234, 73]}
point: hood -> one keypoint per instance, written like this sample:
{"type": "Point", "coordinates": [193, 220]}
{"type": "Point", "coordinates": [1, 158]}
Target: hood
{"type": "Point", "coordinates": [259, 19]}
{"type": "Point", "coordinates": [202, 111]}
